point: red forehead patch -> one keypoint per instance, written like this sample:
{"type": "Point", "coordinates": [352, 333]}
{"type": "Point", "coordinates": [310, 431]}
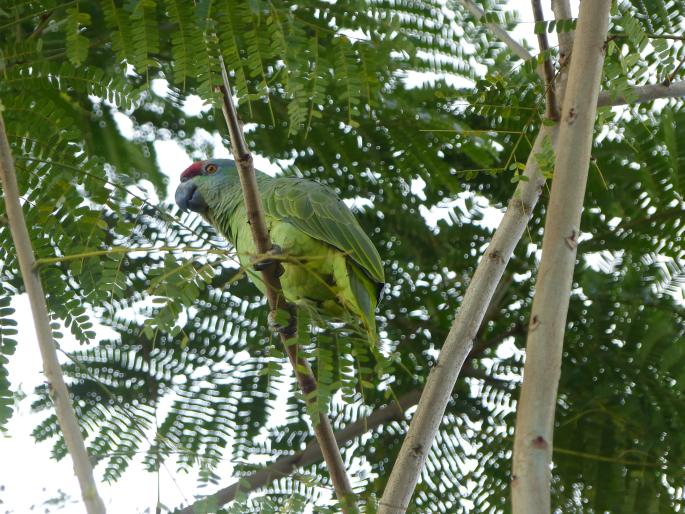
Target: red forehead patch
{"type": "Point", "coordinates": [192, 170]}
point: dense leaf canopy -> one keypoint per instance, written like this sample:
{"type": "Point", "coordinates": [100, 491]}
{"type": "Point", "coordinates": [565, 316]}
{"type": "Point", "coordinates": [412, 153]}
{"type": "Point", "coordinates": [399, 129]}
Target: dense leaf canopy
{"type": "Point", "coordinates": [323, 89]}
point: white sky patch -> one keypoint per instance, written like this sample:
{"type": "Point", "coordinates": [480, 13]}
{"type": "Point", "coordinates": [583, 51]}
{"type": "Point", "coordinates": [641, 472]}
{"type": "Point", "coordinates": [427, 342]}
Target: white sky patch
{"type": "Point", "coordinates": [172, 160]}
{"type": "Point", "coordinates": [34, 477]}
{"type": "Point", "coordinates": [124, 124]}
{"type": "Point", "coordinates": [160, 87]}
{"type": "Point", "coordinates": [413, 79]}
{"type": "Point", "coordinates": [416, 187]}
{"type": "Point", "coordinates": [358, 203]}
{"type": "Point", "coordinates": [195, 105]}
{"type": "Point", "coordinates": [357, 34]}
{"type": "Point", "coordinates": [453, 210]}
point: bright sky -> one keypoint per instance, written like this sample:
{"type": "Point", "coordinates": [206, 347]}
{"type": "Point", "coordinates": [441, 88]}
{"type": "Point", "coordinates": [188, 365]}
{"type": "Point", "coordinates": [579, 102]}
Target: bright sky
{"type": "Point", "coordinates": [32, 477]}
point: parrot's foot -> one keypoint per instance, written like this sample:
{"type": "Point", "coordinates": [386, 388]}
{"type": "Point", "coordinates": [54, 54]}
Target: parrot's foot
{"type": "Point", "coordinates": [276, 321]}
{"type": "Point", "coordinates": [262, 264]}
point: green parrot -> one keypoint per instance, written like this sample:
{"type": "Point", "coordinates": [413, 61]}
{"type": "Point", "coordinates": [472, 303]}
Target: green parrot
{"type": "Point", "coordinates": [328, 263]}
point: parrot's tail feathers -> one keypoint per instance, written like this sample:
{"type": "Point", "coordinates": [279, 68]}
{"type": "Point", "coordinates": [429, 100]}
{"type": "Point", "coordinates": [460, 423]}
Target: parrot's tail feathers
{"type": "Point", "coordinates": [364, 291]}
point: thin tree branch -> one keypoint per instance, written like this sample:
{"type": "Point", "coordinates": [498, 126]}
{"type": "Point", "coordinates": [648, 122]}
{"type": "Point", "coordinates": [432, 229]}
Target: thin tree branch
{"type": "Point", "coordinates": [670, 78]}
{"type": "Point", "coordinates": [286, 466]}
{"type": "Point", "coordinates": [641, 94]}
{"type": "Point", "coordinates": [535, 412]}
{"type": "Point", "coordinates": [562, 11]}
{"type": "Point", "coordinates": [51, 367]}
{"type": "Point", "coordinates": [548, 70]}
{"type": "Point", "coordinates": [498, 31]}
{"type": "Point", "coordinates": [310, 455]}
{"type": "Point", "coordinates": [305, 376]}
{"type": "Point", "coordinates": [125, 249]}
{"type": "Point", "coordinates": [676, 37]}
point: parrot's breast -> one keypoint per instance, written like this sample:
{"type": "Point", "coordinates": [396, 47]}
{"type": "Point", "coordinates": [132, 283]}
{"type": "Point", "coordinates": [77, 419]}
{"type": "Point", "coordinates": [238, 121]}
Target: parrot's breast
{"type": "Point", "coordinates": [309, 265]}
{"type": "Point", "coordinates": [315, 274]}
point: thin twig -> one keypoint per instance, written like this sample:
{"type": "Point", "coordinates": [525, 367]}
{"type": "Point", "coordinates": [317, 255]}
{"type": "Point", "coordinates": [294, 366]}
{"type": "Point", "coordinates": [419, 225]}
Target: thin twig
{"type": "Point", "coordinates": [676, 37]}
{"type": "Point", "coordinates": [44, 20]}
{"type": "Point", "coordinates": [498, 31]}
{"type": "Point", "coordinates": [310, 455]}
{"type": "Point", "coordinates": [669, 79]}
{"type": "Point", "coordinates": [51, 367]}
{"type": "Point", "coordinates": [286, 466]}
{"type": "Point", "coordinates": [548, 69]}
{"type": "Point", "coordinates": [305, 377]}
{"type": "Point", "coordinates": [125, 249]}
{"type": "Point", "coordinates": [562, 12]}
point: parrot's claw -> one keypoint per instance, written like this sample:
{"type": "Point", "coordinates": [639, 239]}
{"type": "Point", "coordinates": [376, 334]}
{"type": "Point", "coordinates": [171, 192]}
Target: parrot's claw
{"type": "Point", "coordinates": [275, 324]}
{"type": "Point", "coordinates": [262, 264]}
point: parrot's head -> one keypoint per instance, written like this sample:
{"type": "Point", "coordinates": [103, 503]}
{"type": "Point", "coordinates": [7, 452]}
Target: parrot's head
{"type": "Point", "coordinates": [204, 182]}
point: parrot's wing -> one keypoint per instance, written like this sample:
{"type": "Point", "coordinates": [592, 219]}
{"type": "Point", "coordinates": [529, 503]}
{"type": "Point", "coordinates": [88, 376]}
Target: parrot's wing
{"type": "Point", "coordinates": [318, 212]}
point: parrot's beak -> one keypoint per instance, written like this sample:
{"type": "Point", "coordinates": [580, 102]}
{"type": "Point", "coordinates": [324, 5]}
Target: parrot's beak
{"type": "Point", "coordinates": [189, 198]}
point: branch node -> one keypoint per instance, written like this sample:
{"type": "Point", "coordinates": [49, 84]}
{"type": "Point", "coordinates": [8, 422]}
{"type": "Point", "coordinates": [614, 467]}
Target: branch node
{"type": "Point", "coordinates": [572, 240]}
{"type": "Point", "coordinates": [534, 323]}
{"type": "Point", "coordinates": [417, 450]}
{"type": "Point", "coordinates": [496, 255]}
{"type": "Point", "coordinates": [572, 116]}
{"type": "Point", "coordinates": [521, 206]}
{"type": "Point", "coordinates": [540, 443]}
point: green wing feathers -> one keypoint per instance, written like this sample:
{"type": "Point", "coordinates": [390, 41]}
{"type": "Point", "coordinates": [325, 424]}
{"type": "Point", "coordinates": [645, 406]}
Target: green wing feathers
{"type": "Point", "coordinates": [318, 212]}
{"type": "Point", "coordinates": [365, 293]}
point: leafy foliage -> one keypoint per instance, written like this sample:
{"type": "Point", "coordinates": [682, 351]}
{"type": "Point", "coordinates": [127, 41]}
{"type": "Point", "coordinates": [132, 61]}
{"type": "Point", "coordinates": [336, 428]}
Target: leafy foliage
{"type": "Point", "coordinates": [191, 371]}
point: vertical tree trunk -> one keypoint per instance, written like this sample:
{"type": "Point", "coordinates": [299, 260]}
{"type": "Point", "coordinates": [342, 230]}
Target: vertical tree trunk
{"type": "Point", "coordinates": [535, 414]}
{"type": "Point", "coordinates": [51, 367]}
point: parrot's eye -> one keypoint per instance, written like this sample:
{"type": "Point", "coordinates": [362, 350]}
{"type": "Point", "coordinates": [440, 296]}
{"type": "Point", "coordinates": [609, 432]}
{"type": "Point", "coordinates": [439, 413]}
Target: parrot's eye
{"type": "Point", "coordinates": [211, 168]}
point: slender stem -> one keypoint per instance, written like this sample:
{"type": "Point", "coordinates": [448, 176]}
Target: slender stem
{"type": "Point", "coordinates": [310, 455]}
{"type": "Point", "coordinates": [670, 78]}
{"type": "Point", "coordinates": [602, 458]}
{"type": "Point", "coordinates": [51, 367]}
{"type": "Point", "coordinates": [126, 249]}
{"type": "Point", "coordinates": [535, 412]}
{"type": "Point", "coordinates": [548, 70]}
{"type": "Point", "coordinates": [562, 12]}
{"type": "Point", "coordinates": [641, 94]}
{"type": "Point", "coordinates": [498, 31]}
{"type": "Point", "coordinates": [305, 377]}
{"type": "Point", "coordinates": [676, 37]}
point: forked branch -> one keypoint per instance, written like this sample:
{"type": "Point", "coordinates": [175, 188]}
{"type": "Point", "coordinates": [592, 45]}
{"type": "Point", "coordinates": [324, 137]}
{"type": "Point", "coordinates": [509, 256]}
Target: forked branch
{"type": "Point", "coordinates": [459, 341]}
{"type": "Point", "coordinates": [305, 376]}
{"type": "Point", "coordinates": [562, 11]}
